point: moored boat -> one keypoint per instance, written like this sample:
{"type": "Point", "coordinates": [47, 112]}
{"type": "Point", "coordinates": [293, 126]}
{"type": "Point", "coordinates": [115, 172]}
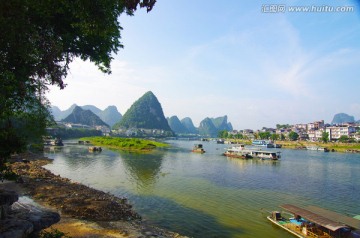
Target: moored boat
{"type": "Point", "coordinates": [315, 222]}
{"type": "Point", "coordinates": [317, 148]}
{"type": "Point", "coordinates": [265, 143]}
{"type": "Point", "coordinates": [198, 148]}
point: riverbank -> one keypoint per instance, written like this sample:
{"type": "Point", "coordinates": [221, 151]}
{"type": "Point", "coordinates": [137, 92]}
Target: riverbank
{"type": "Point", "coordinates": [332, 146]}
{"type": "Point", "coordinates": [85, 212]}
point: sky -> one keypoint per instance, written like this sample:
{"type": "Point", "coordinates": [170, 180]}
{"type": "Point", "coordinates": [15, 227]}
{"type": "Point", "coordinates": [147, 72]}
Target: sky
{"type": "Point", "coordinates": [256, 61]}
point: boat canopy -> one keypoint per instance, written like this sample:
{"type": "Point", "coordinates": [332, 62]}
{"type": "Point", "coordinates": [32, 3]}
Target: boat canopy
{"type": "Point", "coordinates": [328, 219]}
{"type": "Point", "coordinates": [349, 221]}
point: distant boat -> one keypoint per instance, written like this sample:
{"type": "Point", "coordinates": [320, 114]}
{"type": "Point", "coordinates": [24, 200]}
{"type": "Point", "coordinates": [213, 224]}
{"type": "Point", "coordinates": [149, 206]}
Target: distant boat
{"type": "Point", "coordinates": [317, 148]}
{"type": "Point", "coordinates": [198, 148]}
{"type": "Point", "coordinates": [264, 143]}
{"type": "Point", "coordinates": [315, 222]}
{"type": "Point", "coordinates": [95, 149]}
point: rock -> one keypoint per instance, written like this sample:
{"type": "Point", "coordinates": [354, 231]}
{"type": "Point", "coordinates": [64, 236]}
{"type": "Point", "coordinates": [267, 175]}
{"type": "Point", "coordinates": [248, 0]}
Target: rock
{"type": "Point", "coordinates": [39, 218]}
{"type": "Point", "coordinates": [19, 220]}
{"type": "Point", "coordinates": [7, 198]}
{"type": "Point", "coordinates": [13, 228]}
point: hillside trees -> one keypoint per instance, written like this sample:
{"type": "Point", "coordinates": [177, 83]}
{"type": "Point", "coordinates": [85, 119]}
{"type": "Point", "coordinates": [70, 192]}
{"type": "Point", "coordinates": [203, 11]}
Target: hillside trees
{"type": "Point", "coordinates": [38, 41]}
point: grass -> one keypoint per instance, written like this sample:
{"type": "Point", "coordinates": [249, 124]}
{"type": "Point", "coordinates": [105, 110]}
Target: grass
{"type": "Point", "coordinates": [127, 144]}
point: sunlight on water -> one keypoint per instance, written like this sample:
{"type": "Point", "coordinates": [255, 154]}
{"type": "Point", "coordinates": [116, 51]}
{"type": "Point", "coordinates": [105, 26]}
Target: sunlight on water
{"type": "Point", "coordinates": [208, 195]}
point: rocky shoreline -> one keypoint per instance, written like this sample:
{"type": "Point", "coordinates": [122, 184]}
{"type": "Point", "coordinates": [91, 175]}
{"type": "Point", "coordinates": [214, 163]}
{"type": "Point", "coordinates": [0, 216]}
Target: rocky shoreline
{"type": "Point", "coordinates": [85, 212]}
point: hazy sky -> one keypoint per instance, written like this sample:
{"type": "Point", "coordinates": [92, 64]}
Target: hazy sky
{"type": "Point", "coordinates": [208, 58]}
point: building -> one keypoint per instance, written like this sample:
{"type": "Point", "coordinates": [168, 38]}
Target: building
{"type": "Point", "coordinates": [335, 132]}
{"type": "Point", "coordinates": [315, 125]}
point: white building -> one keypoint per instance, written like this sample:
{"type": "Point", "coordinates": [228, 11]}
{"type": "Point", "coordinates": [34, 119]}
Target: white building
{"type": "Point", "coordinates": [335, 132]}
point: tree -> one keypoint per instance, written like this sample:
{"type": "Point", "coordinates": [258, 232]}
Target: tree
{"type": "Point", "coordinates": [223, 134]}
{"type": "Point", "coordinates": [343, 139]}
{"type": "Point", "coordinates": [264, 135]}
{"type": "Point", "coordinates": [325, 137]}
{"type": "Point", "coordinates": [293, 136]}
{"type": "Point", "coordinates": [274, 136]}
{"type": "Point", "coordinates": [38, 41]}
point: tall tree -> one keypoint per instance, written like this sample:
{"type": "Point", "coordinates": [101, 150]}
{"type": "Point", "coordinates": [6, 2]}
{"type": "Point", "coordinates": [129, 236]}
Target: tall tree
{"type": "Point", "coordinates": [38, 41]}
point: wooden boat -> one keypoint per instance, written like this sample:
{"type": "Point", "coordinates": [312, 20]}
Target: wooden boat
{"type": "Point", "coordinates": [198, 148]}
{"type": "Point", "coordinates": [95, 149]}
{"type": "Point", "coordinates": [316, 222]}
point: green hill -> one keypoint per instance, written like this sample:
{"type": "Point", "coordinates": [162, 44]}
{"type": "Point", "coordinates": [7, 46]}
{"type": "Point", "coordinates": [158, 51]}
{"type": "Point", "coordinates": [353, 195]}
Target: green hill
{"type": "Point", "coordinates": [176, 125]}
{"type": "Point", "coordinates": [189, 125]}
{"type": "Point", "coordinates": [145, 113]}
{"type": "Point", "coordinates": [85, 117]}
{"type": "Point", "coordinates": [211, 126]}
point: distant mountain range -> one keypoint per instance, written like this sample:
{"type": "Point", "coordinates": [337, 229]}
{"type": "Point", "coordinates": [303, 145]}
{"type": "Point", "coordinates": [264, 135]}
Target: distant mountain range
{"type": "Point", "coordinates": [110, 115]}
{"type": "Point", "coordinates": [208, 126]}
{"type": "Point", "coordinates": [85, 117]}
{"type": "Point", "coordinates": [145, 113]}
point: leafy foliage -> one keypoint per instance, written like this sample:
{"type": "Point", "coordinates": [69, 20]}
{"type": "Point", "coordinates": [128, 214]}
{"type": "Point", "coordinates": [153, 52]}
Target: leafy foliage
{"type": "Point", "coordinates": [293, 136]}
{"type": "Point", "coordinates": [325, 137]}
{"type": "Point", "coordinates": [38, 41]}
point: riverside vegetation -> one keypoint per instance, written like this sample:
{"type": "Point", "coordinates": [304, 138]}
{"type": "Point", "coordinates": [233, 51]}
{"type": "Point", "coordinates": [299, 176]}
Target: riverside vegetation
{"type": "Point", "coordinates": [127, 144]}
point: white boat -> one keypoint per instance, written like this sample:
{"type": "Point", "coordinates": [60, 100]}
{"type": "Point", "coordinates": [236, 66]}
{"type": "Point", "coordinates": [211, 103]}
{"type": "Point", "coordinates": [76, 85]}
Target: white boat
{"type": "Point", "coordinates": [315, 222]}
{"type": "Point", "coordinates": [265, 143]}
{"type": "Point", "coordinates": [263, 154]}
{"type": "Point", "coordinates": [238, 152]}
{"type": "Point", "coordinates": [241, 152]}
{"type": "Point", "coordinates": [317, 148]}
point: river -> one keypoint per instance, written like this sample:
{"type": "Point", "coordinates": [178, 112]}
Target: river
{"type": "Point", "coordinates": [209, 195]}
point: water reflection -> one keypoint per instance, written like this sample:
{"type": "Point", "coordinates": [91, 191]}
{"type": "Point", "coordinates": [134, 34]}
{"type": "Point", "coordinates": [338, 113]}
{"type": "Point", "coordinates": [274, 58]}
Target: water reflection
{"type": "Point", "coordinates": [244, 163]}
{"type": "Point", "coordinates": [144, 169]}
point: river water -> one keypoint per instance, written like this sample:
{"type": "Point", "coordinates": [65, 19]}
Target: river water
{"type": "Point", "coordinates": [209, 195]}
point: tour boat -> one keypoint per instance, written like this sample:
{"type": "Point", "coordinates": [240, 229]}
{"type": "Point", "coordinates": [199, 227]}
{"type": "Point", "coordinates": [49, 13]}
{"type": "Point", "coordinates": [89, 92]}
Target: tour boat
{"type": "Point", "coordinates": [238, 152]}
{"type": "Point", "coordinates": [315, 222]}
{"type": "Point", "coordinates": [241, 152]}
